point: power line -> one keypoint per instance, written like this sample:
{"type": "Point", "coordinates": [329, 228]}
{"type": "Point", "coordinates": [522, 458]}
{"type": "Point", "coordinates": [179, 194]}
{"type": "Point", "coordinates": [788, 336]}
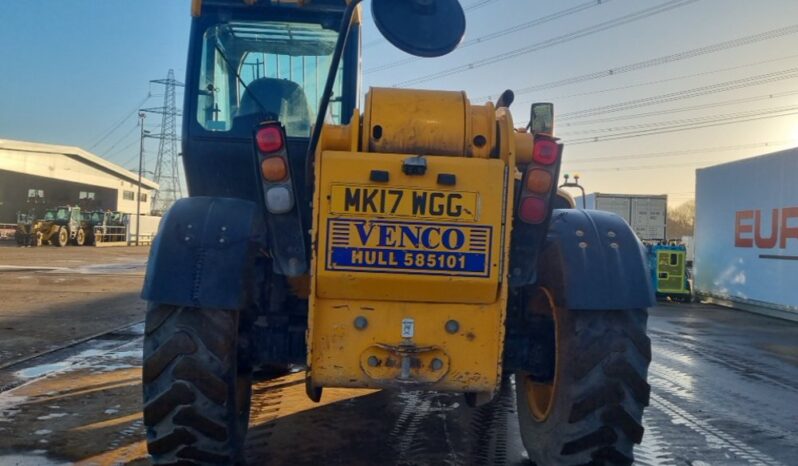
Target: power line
{"type": "Point", "coordinates": [677, 153]}
{"type": "Point", "coordinates": [660, 81]}
{"type": "Point", "coordinates": [686, 121]}
{"type": "Point", "coordinates": [720, 46]}
{"type": "Point", "coordinates": [495, 35]}
{"type": "Point", "coordinates": [642, 14]}
{"type": "Point", "coordinates": [677, 128]}
{"type": "Point", "coordinates": [684, 94]}
{"type": "Point", "coordinates": [132, 159]}
{"type": "Point", "coordinates": [676, 110]}
{"type": "Point", "coordinates": [680, 109]}
{"type": "Point", "coordinates": [121, 122]}
{"type": "Point", "coordinates": [124, 136]}
{"type": "Point", "coordinates": [696, 164]}
{"type": "Point", "coordinates": [121, 149]}
{"type": "Point", "coordinates": [479, 4]}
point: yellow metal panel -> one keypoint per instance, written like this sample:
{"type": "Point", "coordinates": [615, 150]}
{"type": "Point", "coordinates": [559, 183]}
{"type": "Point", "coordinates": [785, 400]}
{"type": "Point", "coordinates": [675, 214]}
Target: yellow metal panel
{"type": "Point", "coordinates": [524, 143]}
{"type": "Point", "coordinates": [470, 357]}
{"type": "Point", "coordinates": [412, 121]}
{"type": "Point", "coordinates": [358, 321]}
{"type": "Point", "coordinates": [367, 252]}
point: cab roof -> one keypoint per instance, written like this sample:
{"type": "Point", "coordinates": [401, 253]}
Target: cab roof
{"type": "Point", "coordinates": [315, 5]}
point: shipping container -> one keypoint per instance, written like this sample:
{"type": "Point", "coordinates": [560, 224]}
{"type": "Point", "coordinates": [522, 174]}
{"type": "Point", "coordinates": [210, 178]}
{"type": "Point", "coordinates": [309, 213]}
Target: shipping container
{"type": "Point", "coordinates": [746, 234]}
{"type": "Point", "coordinates": [647, 214]}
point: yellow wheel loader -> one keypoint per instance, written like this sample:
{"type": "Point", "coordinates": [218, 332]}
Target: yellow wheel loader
{"type": "Point", "coordinates": [416, 243]}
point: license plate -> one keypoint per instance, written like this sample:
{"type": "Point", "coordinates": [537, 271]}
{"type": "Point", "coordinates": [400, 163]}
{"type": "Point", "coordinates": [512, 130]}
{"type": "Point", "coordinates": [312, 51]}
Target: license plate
{"type": "Point", "coordinates": [404, 202]}
{"type": "Point", "coordinates": [418, 248]}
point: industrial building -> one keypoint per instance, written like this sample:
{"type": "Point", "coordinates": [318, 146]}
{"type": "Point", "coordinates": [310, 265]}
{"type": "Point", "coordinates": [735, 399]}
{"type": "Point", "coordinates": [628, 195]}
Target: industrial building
{"type": "Point", "coordinates": [35, 176]}
{"type": "Point", "coordinates": [746, 234]}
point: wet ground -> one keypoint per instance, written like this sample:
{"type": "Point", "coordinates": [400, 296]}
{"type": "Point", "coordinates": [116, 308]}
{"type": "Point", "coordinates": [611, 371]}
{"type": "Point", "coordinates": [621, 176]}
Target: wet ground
{"type": "Point", "coordinates": [724, 392]}
{"type": "Point", "coordinates": [51, 296]}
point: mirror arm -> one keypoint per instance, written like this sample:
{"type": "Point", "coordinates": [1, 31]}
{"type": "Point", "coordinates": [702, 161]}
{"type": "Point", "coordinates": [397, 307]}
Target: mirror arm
{"type": "Point", "coordinates": [343, 36]}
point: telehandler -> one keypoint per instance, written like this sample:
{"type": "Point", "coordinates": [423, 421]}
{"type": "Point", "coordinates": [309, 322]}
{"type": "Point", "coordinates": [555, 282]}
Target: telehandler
{"type": "Point", "coordinates": [419, 243]}
{"type": "Point", "coordinates": [104, 226]}
{"type": "Point", "coordinates": [26, 233]}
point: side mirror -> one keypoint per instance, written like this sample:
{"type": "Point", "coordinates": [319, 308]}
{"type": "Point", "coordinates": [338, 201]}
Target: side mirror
{"type": "Point", "coordinates": [506, 99]}
{"type": "Point", "coordinates": [425, 28]}
{"type": "Point", "coordinates": [541, 118]}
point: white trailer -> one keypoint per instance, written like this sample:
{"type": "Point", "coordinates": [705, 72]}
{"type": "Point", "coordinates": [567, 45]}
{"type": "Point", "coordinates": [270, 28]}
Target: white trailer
{"type": "Point", "coordinates": [746, 234]}
{"type": "Point", "coordinates": [147, 231]}
{"type": "Point", "coordinates": [647, 214]}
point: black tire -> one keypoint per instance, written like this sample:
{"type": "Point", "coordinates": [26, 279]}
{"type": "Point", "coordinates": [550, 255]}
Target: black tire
{"type": "Point", "coordinates": [62, 237]}
{"type": "Point", "coordinates": [80, 237]}
{"type": "Point", "coordinates": [593, 415]}
{"type": "Point", "coordinates": [196, 391]}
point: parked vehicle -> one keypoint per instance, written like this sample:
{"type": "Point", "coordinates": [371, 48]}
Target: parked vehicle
{"type": "Point", "coordinates": [27, 230]}
{"type": "Point", "coordinates": [61, 226]}
{"type": "Point", "coordinates": [104, 226]}
{"type": "Point", "coordinates": [414, 246]}
{"type": "Point", "coordinates": [646, 214]}
{"type": "Point", "coordinates": [669, 272]}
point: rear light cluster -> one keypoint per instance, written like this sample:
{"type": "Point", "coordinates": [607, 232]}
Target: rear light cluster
{"type": "Point", "coordinates": [533, 206]}
{"type": "Point", "coordinates": [273, 162]}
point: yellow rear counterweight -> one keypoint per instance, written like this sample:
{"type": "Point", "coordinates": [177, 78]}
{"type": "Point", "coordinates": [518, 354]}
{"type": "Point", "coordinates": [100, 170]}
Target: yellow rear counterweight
{"type": "Point", "coordinates": [408, 283]}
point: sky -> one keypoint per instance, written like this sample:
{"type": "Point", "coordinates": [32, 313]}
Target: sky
{"type": "Point", "coordinates": [75, 72]}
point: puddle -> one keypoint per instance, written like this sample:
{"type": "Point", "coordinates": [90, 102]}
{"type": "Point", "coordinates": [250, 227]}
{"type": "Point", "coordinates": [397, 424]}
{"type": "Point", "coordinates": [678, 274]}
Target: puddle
{"type": "Point", "coordinates": [44, 369]}
{"type": "Point", "coordinates": [9, 407]}
{"type": "Point", "coordinates": [29, 459]}
{"type": "Point", "coordinates": [127, 268]}
{"type": "Point", "coordinates": [29, 268]}
{"type": "Point", "coordinates": [121, 349]}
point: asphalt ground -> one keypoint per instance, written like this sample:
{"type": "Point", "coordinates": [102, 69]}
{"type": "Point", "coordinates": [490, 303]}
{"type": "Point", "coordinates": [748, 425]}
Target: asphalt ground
{"type": "Point", "coordinates": [51, 296]}
{"type": "Point", "coordinates": [724, 387]}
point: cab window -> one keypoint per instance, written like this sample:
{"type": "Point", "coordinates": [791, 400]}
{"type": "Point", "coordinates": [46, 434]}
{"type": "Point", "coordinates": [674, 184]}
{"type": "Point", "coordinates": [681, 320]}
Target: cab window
{"type": "Point", "coordinates": [252, 71]}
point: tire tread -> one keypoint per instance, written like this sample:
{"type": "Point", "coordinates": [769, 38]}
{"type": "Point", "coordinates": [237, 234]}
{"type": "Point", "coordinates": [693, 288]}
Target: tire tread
{"type": "Point", "coordinates": [188, 377]}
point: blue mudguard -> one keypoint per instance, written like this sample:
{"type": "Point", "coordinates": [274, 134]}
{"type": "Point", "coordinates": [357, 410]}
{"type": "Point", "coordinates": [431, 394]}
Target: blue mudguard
{"type": "Point", "coordinates": [203, 252]}
{"type": "Point", "coordinates": [601, 261]}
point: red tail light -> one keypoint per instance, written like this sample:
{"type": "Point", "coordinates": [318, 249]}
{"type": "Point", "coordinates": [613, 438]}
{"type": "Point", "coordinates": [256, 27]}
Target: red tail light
{"type": "Point", "coordinates": [269, 139]}
{"type": "Point", "coordinates": [533, 210]}
{"type": "Point", "coordinates": [545, 151]}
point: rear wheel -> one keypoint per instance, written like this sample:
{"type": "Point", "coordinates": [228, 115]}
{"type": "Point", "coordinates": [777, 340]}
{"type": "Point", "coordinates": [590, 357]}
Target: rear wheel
{"type": "Point", "coordinates": [80, 237]}
{"type": "Point", "coordinates": [196, 390]}
{"type": "Point", "coordinates": [62, 237]}
{"type": "Point", "coordinates": [591, 413]}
